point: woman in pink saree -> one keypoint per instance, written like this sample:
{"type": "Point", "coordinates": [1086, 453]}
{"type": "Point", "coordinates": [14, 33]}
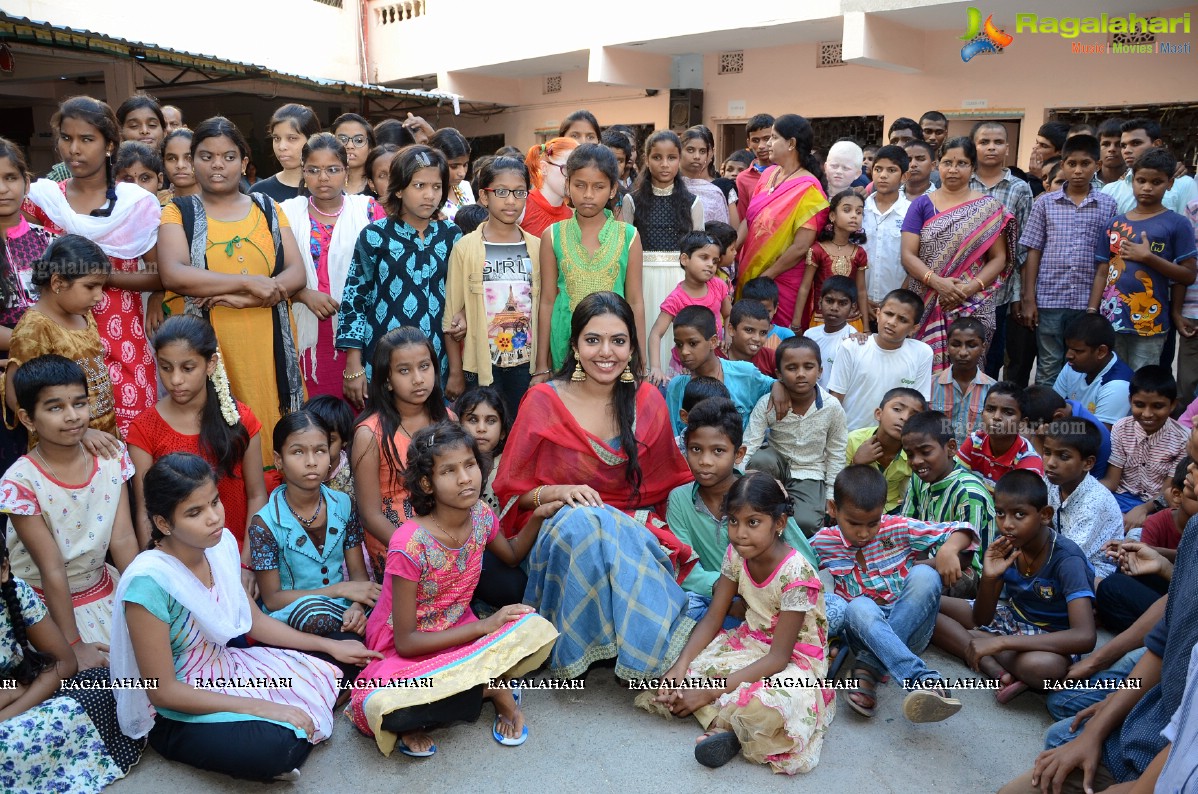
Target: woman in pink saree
{"type": "Point", "coordinates": [781, 218]}
{"type": "Point", "coordinates": [954, 248]}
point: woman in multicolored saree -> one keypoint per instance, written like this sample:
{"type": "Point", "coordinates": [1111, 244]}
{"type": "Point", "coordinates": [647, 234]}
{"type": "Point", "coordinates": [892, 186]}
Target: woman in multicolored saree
{"type": "Point", "coordinates": [605, 570]}
{"type": "Point", "coordinates": [955, 250]}
{"type": "Point", "coordinates": [781, 218]}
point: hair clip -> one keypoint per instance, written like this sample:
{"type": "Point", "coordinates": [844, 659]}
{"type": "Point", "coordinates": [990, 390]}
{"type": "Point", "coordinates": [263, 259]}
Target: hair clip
{"type": "Point", "coordinates": [431, 440]}
{"type": "Point", "coordinates": [423, 159]}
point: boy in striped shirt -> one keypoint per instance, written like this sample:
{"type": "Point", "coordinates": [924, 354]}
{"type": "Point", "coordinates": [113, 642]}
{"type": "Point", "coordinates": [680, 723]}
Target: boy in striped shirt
{"type": "Point", "coordinates": [884, 600]}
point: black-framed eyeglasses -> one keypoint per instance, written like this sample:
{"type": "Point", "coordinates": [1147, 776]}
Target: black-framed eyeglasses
{"type": "Point", "coordinates": [358, 141]}
{"type": "Point", "coordinates": [504, 192]}
{"type": "Point", "coordinates": [333, 171]}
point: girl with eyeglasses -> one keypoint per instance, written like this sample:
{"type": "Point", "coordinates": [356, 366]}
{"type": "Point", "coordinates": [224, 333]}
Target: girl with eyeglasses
{"type": "Point", "coordinates": [495, 280]}
{"type": "Point", "coordinates": [357, 136]}
{"type": "Point", "coordinates": [332, 219]}
{"type": "Point", "coordinates": [456, 149]}
{"type": "Point", "coordinates": [289, 127]}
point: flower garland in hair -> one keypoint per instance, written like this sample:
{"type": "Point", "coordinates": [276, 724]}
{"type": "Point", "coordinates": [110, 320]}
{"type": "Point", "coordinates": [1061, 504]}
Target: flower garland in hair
{"type": "Point", "coordinates": [220, 379]}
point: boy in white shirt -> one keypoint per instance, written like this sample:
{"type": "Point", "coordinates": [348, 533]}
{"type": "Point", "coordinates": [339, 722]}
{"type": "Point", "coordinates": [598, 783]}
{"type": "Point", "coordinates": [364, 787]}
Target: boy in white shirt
{"type": "Point", "coordinates": [864, 371]}
{"type": "Point", "coordinates": [882, 223]}
{"type": "Point", "coordinates": [837, 303]}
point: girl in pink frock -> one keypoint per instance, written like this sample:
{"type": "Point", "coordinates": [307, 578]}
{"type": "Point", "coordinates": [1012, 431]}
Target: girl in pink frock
{"type": "Point", "coordinates": [422, 623]}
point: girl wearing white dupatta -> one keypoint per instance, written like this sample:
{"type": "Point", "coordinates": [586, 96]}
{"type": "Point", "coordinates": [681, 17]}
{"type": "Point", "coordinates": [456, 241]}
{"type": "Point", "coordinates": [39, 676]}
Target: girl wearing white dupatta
{"type": "Point", "coordinates": [252, 713]}
{"type": "Point", "coordinates": [123, 220]}
{"type": "Point", "coordinates": [333, 221]}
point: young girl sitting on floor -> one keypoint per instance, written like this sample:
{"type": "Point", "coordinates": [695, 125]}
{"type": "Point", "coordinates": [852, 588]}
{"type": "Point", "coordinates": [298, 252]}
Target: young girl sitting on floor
{"type": "Point", "coordinates": [66, 735]}
{"type": "Point", "coordinates": [179, 605]}
{"type": "Point", "coordinates": [785, 635]}
{"type": "Point", "coordinates": [199, 416]}
{"type": "Point", "coordinates": [483, 414]}
{"type": "Point", "coordinates": [1049, 621]}
{"type": "Point", "coordinates": [69, 508]}
{"type": "Point", "coordinates": [338, 419]}
{"type": "Point", "coordinates": [423, 624]}
{"type": "Point", "coordinates": [70, 279]}
{"type": "Point", "coordinates": [303, 536]}
{"type": "Point", "coordinates": [405, 395]}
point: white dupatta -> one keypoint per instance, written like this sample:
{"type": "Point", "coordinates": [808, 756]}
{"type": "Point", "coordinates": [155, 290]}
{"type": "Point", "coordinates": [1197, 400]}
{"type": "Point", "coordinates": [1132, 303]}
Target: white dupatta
{"type": "Point", "coordinates": [354, 217]}
{"type": "Point", "coordinates": [221, 613]}
{"type": "Point", "coordinates": [130, 231]}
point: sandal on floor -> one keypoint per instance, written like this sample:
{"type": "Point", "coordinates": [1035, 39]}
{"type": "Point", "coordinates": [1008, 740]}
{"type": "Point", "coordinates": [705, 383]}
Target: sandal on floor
{"type": "Point", "coordinates": [864, 674]}
{"type": "Point", "coordinates": [507, 741]}
{"type": "Point", "coordinates": [1009, 692]}
{"type": "Point", "coordinates": [403, 748]}
{"type": "Point", "coordinates": [930, 705]}
{"type": "Point", "coordinates": [717, 749]}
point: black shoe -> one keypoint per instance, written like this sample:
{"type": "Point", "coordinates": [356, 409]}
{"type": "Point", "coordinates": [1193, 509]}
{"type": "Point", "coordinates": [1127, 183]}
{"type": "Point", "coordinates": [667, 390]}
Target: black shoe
{"type": "Point", "coordinates": [717, 749]}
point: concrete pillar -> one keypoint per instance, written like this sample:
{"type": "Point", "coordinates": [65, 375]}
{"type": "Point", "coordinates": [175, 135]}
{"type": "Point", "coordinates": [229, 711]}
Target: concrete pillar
{"type": "Point", "coordinates": [120, 81]}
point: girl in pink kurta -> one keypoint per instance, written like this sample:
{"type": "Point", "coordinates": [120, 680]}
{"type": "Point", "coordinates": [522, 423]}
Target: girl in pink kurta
{"type": "Point", "coordinates": [423, 624]}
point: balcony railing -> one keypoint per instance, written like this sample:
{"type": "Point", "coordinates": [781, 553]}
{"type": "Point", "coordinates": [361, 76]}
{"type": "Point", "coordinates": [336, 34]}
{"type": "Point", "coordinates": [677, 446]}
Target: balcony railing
{"type": "Point", "coordinates": [392, 13]}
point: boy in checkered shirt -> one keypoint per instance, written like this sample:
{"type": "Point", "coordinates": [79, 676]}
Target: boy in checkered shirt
{"type": "Point", "coordinates": [885, 601]}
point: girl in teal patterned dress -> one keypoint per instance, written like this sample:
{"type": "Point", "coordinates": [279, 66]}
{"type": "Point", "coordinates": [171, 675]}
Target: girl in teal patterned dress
{"type": "Point", "coordinates": [52, 739]}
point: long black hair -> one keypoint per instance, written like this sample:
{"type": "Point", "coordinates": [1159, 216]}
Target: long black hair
{"type": "Point", "coordinates": [680, 200]}
{"type": "Point", "coordinates": [99, 115]}
{"type": "Point", "coordinates": [427, 444]}
{"type": "Point", "coordinates": [585, 116]}
{"type": "Point", "coordinates": [70, 257]}
{"type": "Point", "coordinates": [381, 402]}
{"type": "Point", "coordinates": [761, 492]}
{"type": "Point", "coordinates": [790, 126]}
{"type": "Point", "coordinates": [223, 445]}
{"type": "Point", "coordinates": [33, 662]}
{"type": "Point", "coordinates": [140, 100]}
{"type": "Point", "coordinates": [623, 395]}
{"type": "Point", "coordinates": [169, 481]}
{"type": "Point", "coordinates": [296, 422]}
{"type": "Point", "coordinates": [701, 132]}
{"type": "Point", "coordinates": [485, 395]}
{"type": "Point", "coordinates": [10, 284]}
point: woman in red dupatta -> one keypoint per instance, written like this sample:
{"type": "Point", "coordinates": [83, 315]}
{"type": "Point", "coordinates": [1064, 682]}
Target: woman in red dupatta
{"type": "Point", "coordinates": [787, 208]}
{"type": "Point", "coordinates": [955, 250]}
{"type": "Point", "coordinates": [606, 569]}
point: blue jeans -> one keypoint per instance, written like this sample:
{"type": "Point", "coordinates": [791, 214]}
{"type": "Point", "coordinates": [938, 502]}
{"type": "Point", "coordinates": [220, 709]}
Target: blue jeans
{"type": "Point", "coordinates": [1139, 351]}
{"type": "Point", "coordinates": [1050, 343]}
{"type": "Point", "coordinates": [697, 606]}
{"type": "Point", "coordinates": [888, 638]}
{"type": "Point", "coordinates": [1065, 703]}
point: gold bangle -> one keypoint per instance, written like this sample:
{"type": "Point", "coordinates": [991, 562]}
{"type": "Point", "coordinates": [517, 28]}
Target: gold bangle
{"type": "Point", "coordinates": [536, 496]}
{"type": "Point", "coordinates": [927, 277]}
{"type": "Point", "coordinates": [981, 286]}
{"type": "Point", "coordinates": [360, 373]}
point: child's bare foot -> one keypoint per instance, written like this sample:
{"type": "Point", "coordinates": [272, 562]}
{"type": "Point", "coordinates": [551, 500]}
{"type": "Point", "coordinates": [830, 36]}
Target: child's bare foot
{"type": "Point", "coordinates": [1011, 687]}
{"type": "Point", "coordinates": [509, 728]}
{"type": "Point", "coordinates": [416, 743]}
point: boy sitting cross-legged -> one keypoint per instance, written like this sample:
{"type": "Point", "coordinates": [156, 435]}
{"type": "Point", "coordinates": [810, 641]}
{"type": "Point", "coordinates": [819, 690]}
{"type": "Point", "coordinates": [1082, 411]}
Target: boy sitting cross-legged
{"type": "Point", "coordinates": [1049, 621]}
{"type": "Point", "coordinates": [884, 601]}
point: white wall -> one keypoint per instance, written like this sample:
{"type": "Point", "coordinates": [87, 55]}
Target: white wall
{"type": "Point", "coordinates": [298, 36]}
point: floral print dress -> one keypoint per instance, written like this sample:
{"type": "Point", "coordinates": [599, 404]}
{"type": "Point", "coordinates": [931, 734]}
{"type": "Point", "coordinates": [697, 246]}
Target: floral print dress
{"type": "Point", "coordinates": [70, 742]}
{"type": "Point", "coordinates": [779, 721]}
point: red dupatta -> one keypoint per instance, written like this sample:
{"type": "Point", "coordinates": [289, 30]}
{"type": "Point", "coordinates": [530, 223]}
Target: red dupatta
{"type": "Point", "coordinates": [547, 446]}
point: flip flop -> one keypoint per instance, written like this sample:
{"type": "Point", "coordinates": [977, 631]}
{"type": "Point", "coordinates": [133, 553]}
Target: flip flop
{"type": "Point", "coordinates": [930, 705]}
{"type": "Point", "coordinates": [717, 749]}
{"type": "Point", "coordinates": [864, 674]}
{"type": "Point", "coordinates": [403, 748]}
{"type": "Point", "coordinates": [507, 741]}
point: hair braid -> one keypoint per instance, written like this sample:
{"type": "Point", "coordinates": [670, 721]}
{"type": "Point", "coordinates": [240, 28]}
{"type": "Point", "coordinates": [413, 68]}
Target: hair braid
{"type": "Point", "coordinates": [33, 662]}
